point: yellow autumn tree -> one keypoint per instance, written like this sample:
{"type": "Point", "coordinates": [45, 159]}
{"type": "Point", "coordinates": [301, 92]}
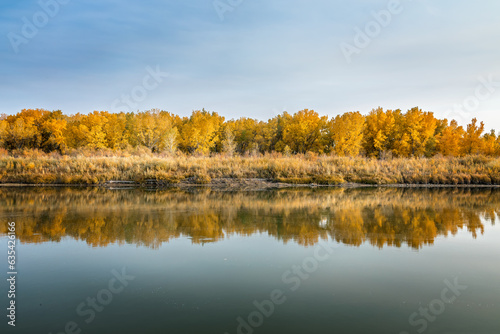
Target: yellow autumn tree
{"type": "Point", "coordinates": [379, 131]}
{"type": "Point", "coordinates": [55, 128]}
{"type": "Point", "coordinates": [87, 130]}
{"type": "Point", "coordinates": [156, 130]}
{"type": "Point", "coordinates": [75, 137]}
{"type": "Point", "coordinates": [200, 132]}
{"type": "Point", "coordinates": [490, 143]}
{"type": "Point", "coordinates": [24, 130]}
{"type": "Point", "coordinates": [266, 136]}
{"type": "Point", "coordinates": [379, 134]}
{"type": "Point", "coordinates": [414, 131]}
{"type": "Point", "coordinates": [115, 130]}
{"type": "Point", "coordinates": [95, 135]}
{"type": "Point", "coordinates": [3, 131]}
{"type": "Point", "coordinates": [449, 139]}
{"type": "Point", "coordinates": [471, 142]}
{"type": "Point", "coordinates": [22, 133]}
{"type": "Point", "coordinates": [304, 132]}
{"type": "Point", "coordinates": [245, 131]}
{"type": "Point", "coordinates": [345, 133]}
{"type": "Point", "coordinates": [431, 146]}
{"type": "Point", "coordinates": [274, 131]}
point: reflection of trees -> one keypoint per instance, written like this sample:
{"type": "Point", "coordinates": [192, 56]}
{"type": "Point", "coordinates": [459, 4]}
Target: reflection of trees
{"type": "Point", "coordinates": [387, 216]}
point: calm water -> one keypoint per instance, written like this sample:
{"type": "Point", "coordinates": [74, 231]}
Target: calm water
{"type": "Point", "coordinates": [316, 261]}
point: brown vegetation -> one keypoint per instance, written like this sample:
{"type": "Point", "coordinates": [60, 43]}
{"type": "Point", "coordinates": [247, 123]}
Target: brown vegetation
{"type": "Point", "coordinates": [35, 167]}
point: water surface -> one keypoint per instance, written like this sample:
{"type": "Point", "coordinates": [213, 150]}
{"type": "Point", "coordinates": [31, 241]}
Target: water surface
{"type": "Point", "coordinates": [293, 261]}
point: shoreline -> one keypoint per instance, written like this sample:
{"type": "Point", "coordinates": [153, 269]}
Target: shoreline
{"type": "Point", "coordinates": [228, 184]}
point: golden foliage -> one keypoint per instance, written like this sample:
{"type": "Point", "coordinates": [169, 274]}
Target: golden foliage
{"type": "Point", "coordinates": [345, 133]}
{"type": "Point", "coordinates": [303, 132]}
{"type": "Point", "coordinates": [200, 133]}
{"type": "Point", "coordinates": [382, 133]}
{"type": "Point", "coordinates": [449, 139]}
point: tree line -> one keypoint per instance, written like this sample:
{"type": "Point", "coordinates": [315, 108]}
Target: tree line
{"type": "Point", "coordinates": [381, 133]}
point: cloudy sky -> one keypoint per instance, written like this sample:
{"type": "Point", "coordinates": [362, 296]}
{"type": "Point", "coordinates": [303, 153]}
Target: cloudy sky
{"type": "Point", "coordinates": [252, 58]}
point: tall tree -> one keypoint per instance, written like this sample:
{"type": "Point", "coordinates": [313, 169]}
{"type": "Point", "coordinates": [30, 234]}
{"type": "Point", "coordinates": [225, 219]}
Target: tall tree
{"type": "Point", "coordinates": [228, 143]}
{"type": "Point", "coordinates": [490, 143]}
{"type": "Point", "coordinates": [304, 132]}
{"type": "Point", "coordinates": [245, 131]}
{"type": "Point", "coordinates": [379, 131]}
{"type": "Point", "coordinates": [471, 142]}
{"type": "Point", "coordinates": [4, 125]}
{"type": "Point", "coordinates": [449, 140]}
{"type": "Point", "coordinates": [415, 130]}
{"type": "Point", "coordinates": [56, 141]}
{"type": "Point", "coordinates": [22, 133]}
{"type": "Point", "coordinates": [200, 133]}
{"type": "Point", "coordinates": [345, 133]}
{"type": "Point", "coordinates": [156, 130]}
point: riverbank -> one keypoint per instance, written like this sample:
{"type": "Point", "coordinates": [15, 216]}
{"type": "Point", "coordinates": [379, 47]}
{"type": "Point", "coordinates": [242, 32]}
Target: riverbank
{"type": "Point", "coordinates": [269, 171]}
{"type": "Point", "coordinates": [245, 185]}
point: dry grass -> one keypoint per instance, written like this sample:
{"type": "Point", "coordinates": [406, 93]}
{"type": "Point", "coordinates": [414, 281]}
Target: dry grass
{"type": "Point", "coordinates": [33, 167]}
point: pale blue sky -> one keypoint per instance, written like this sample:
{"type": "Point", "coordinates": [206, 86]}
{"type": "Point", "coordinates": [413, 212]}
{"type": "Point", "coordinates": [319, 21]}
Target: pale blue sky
{"type": "Point", "coordinates": [264, 57]}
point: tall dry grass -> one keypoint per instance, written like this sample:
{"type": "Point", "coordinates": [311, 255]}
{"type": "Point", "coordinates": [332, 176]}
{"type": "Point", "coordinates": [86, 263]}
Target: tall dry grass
{"type": "Point", "coordinates": [34, 167]}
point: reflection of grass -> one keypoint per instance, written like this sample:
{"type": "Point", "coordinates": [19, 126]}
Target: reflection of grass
{"type": "Point", "coordinates": [382, 216]}
{"type": "Point", "coordinates": [39, 168]}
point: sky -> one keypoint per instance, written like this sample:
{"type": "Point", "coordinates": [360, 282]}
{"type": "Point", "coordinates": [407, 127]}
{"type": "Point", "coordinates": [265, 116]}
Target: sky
{"type": "Point", "coordinates": [252, 58]}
